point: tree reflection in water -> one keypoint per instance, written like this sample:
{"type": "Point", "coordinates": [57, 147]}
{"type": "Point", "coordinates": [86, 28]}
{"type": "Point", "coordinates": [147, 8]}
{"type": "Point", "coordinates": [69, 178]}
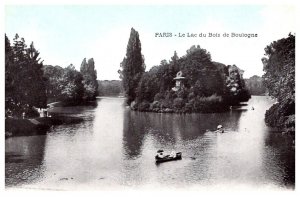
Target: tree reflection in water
{"type": "Point", "coordinates": [168, 129]}
{"type": "Point", "coordinates": [23, 159]}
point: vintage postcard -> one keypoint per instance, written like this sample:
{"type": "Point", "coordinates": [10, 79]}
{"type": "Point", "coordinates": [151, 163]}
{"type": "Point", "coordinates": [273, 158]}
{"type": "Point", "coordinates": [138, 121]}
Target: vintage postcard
{"type": "Point", "coordinates": [150, 97]}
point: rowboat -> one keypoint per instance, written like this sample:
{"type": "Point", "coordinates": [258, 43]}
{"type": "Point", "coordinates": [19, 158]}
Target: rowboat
{"type": "Point", "coordinates": [168, 158]}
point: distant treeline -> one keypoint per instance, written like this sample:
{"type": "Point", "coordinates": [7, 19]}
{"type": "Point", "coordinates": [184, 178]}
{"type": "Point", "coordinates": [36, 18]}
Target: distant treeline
{"type": "Point", "coordinates": [204, 86]}
{"type": "Point", "coordinates": [255, 85]}
{"type": "Point", "coordinates": [110, 88]}
{"type": "Point", "coordinates": [29, 84]}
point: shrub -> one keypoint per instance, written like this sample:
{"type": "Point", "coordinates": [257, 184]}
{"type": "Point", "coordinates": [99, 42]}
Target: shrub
{"type": "Point", "coordinates": [191, 95]}
{"type": "Point", "coordinates": [281, 115]}
{"type": "Point", "coordinates": [158, 97]}
{"type": "Point", "coordinates": [143, 106]}
{"type": "Point", "coordinates": [155, 106]}
{"type": "Point", "coordinates": [133, 105]}
{"type": "Point", "coordinates": [166, 103]}
{"type": "Point", "coordinates": [211, 99]}
{"type": "Point", "coordinates": [183, 93]}
{"type": "Point", "coordinates": [178, 103]}
{"type": "Point", "coordinates": [170, 95]}
{"type": "Point", "coordinates": [188, 107]}
{"type": "Point", "coordinates": [209, 104]}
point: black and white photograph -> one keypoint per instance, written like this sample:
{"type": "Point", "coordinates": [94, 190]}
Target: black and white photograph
{"type": "Point", "coordinates": [149, 97]}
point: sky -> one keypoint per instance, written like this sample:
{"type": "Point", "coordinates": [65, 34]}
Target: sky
{"type": "Point", "coordinates": [66, 35]}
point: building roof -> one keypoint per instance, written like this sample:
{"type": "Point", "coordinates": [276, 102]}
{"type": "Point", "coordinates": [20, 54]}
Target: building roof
{"type": "Point", "coordinates": [179, 76]}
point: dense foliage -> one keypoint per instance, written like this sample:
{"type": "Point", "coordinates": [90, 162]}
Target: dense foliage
{"type": "Point", "coordinates": [69, 85]}
{"type": "Point", "coordinates": [132, 66]}
{"type": "Point", "coordinates": [279, 79]}
{"type": "Point", "coordinates": [255, 85]}
{"type": "Point", "coordinates": [29, 84]}
{"type": "Point", "coordinates": [63, 84]}
{"type": "Point", "coordinates": [90, 83]}
{"type": "Point", "coordinates": [207, 86]}
{"type": "Point", "coordinates": [24, 80]}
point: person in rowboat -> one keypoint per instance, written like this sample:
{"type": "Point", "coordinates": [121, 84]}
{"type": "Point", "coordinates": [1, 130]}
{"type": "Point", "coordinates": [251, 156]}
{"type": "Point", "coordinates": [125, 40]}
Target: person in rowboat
{"type": "Point", "coordinates": [160, 154]}
{"type": "Point", "coordinates": [220, 129]}
{"type": "Point", "coordinates": [173, 154]}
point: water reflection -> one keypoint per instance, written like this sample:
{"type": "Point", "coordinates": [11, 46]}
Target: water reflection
{"type": "Point", "coordinates": [239, 156]}
{"type": "Point", "coordinates": [171, 129]}
{"type": "Point", "coordinates": [115, 147]}
{"type": "Point", "coordinates": [278, 149]}
{"type": "Point", "coordinates": [23, 159]}
{"type": "Point", "coordinates": [133, 133]}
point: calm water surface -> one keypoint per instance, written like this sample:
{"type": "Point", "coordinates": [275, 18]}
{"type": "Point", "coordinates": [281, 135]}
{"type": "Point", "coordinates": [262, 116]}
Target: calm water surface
{"type": "Point", "coordinates": [114, 148]}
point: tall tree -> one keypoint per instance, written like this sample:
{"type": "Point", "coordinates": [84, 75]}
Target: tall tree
{"type": "Point", "coordinates": [9, 64]}
{"type": "Point", "coordinates": [90, 83]}
{"type": "Point", "coordinates": [71, 85]}
{"type": "Point", "coordinates": [236, 88]}
{"type": "Point", "coordinates": [37, 90]}
{"type": "Point", "coordinates": [54, 75]}
{"type": "Point", "coordinates": [25, 84]}
{"type": "Point", "coordinates": [279, 65]}
{"type": "Point", "coordinates": [279, 79]}
{"type": "Point", "coordinates": [169, 71]}
{"type": "Point", "coordinates": [132, 66]}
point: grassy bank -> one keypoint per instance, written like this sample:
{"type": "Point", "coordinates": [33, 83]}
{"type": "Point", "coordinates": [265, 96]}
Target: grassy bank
{"type": "Point", "coordinates": [24, 127]}
{"type": "Point", "coordinates": [36, 126]}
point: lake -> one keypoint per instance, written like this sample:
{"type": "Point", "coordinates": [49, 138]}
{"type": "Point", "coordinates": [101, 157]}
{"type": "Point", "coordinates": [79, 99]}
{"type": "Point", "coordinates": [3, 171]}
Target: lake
{"type": "Point", "coordinates": [114, 148]}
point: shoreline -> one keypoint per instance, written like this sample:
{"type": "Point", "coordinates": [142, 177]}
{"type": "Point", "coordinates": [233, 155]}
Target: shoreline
{"type": "Point", "coordinates": [36, 126]}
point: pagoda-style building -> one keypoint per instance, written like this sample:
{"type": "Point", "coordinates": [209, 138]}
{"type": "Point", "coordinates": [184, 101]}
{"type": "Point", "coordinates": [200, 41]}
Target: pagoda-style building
{"type": "Point", "coordinates": [179, 81]}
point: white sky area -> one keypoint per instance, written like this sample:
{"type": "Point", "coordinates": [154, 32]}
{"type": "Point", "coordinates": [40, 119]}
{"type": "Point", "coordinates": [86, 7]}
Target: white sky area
{"type": "Point", "coordinates": [67, 34]}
